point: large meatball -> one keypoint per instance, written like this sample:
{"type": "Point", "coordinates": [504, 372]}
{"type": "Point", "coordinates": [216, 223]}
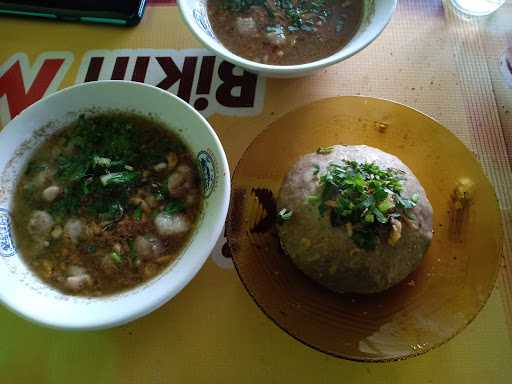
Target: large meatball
{"type": "Point", "coordinates": [327, 253]}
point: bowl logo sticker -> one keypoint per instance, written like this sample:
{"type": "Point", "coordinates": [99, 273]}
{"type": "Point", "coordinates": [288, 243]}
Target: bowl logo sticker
{"type": "Point", "coordinates": [208, 173]}
{"type": "Point", "coordinates": [7, 248]}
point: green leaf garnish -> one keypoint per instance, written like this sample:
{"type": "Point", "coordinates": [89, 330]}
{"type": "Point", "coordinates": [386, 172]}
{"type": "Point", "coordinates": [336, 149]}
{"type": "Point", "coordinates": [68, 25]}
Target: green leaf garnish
{"type": "Point", "coordinates": [174, 207]}
{"type": "Point", "coordinates": [364, 195]}
{"type": "Point", "coordinates": [410, 215]}
{"type": "Point", "coordinates": [97, 171]}
{"type": "Point", "coordinates": [386, 205]}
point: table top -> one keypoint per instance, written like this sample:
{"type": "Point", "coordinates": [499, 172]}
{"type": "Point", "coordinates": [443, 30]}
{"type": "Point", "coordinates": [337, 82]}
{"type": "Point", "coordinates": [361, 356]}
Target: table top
{"type": "Point", "coordinates": [429, 58]}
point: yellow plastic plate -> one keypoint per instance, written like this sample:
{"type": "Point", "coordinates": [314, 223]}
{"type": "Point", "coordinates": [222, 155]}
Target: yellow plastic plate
{"type": "Point", "coordinates": [429, 307]}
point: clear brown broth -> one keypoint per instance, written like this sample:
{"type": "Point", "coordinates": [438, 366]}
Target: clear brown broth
{"type": "Point", "coordinates": [52, 258]}
{"type": "Point", "coordinates": [321, 37]}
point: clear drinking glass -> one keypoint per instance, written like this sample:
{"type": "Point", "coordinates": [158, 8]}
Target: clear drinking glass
{"type": "Point", "coordinates": [477, 7]}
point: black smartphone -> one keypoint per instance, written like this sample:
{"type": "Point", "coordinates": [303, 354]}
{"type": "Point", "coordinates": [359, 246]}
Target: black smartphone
{"type": "Point", "coordinates": [119, 12]}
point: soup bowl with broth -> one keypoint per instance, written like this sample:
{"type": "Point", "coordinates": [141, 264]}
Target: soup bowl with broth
{"type": "Point", "coordinates": [112, 196]}
{"type": "Point", "coordinates": [286, 38]}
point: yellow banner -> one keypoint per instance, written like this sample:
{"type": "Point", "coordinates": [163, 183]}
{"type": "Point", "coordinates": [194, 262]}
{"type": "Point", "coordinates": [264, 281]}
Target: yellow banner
{"type": "Point", "coordinates": [212, 332]}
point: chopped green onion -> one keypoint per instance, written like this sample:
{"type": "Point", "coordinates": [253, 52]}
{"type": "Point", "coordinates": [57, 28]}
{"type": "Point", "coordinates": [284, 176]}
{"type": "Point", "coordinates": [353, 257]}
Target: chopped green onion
{"type": "Point", "coordinates": [118, 178]}
{"type": "Point", "coordinates": [340, 25]}
{"type": "Point", "coordinates": [101, 161]}
{"type": "Point", "coordinates": [313, 199]}
{"type": "Point", "coordinates": [137, 214]}
{"type": "Point", "coordinates": [114, 212]}
{"type": "Point", "coordinates": [410, 215]}
{"type": "Point", "coordinates": [285, 214]}
{"type": "Point", "coordinates": [116, 257]}
{"type": "Point", "coordinates": [324, 150]}
{"type": "Point", "coordinates": [386, 205]}
{"type": "Point", "coordinates": [369, 218]}
{"type": "Point", "coordinates": [133, 250]}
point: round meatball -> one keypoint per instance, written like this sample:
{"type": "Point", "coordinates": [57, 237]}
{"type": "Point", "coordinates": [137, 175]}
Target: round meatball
{"type": "Point", "coordinates": [148, 247]}
{"type": "Point", "coordinates": [170, 225]}
{"type": "Point", "coordinates": [51, 193]}
{"type": "Point", "coordinates": [327, 253]}
{"type": "Point", "coordinates": [74, 229]}
{"type": "Point", "coordinates": [246, 26]}
{"type": "Point", "coordinates": [40, 224]}
{"type": "Point", "coordinates": [181, 181]}
{"type": "Point", "coordinates": [78, 278]}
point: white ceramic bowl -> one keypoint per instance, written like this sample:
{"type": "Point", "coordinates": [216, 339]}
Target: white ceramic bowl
{"type": "Point", "coordinates": [376, 15]}
{"type": "Point", "coordinates": [21, 290]}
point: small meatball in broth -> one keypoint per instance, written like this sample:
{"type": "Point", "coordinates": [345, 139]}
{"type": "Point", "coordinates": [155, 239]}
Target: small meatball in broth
{"type": "Point", "coordinates": [39, 225]}
{"type": "Point", "coordinates": [77, 283]}
{"type": "Point", "coordinates": [78, 279]}
{"type": "Point", "coordinates": [51, 193]}
{"type": "Point", "coordinates": [168, 225]}
{"type": "Point", "coordinates": [246, 26]}
{"type": "Point", "coordinates": [74, 229]}
{"type": "Point", "coordinates": [181, 181]}
{"type": "Point", "coordinates": [148, 247]}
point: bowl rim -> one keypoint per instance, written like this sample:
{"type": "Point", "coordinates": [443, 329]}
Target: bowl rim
{"type": "Point", "coordinates": [280, 70]}
{"type": "Point", "coordinates": [189, 273]}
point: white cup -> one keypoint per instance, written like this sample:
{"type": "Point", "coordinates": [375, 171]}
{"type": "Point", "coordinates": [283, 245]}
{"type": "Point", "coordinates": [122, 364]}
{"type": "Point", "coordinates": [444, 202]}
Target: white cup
{"type": "Point", "coordinates": [477, 7]}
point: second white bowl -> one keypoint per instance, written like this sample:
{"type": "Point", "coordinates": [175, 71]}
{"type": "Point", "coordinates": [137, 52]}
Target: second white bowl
{"type": "Point", "coordinates": [21, 290]}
